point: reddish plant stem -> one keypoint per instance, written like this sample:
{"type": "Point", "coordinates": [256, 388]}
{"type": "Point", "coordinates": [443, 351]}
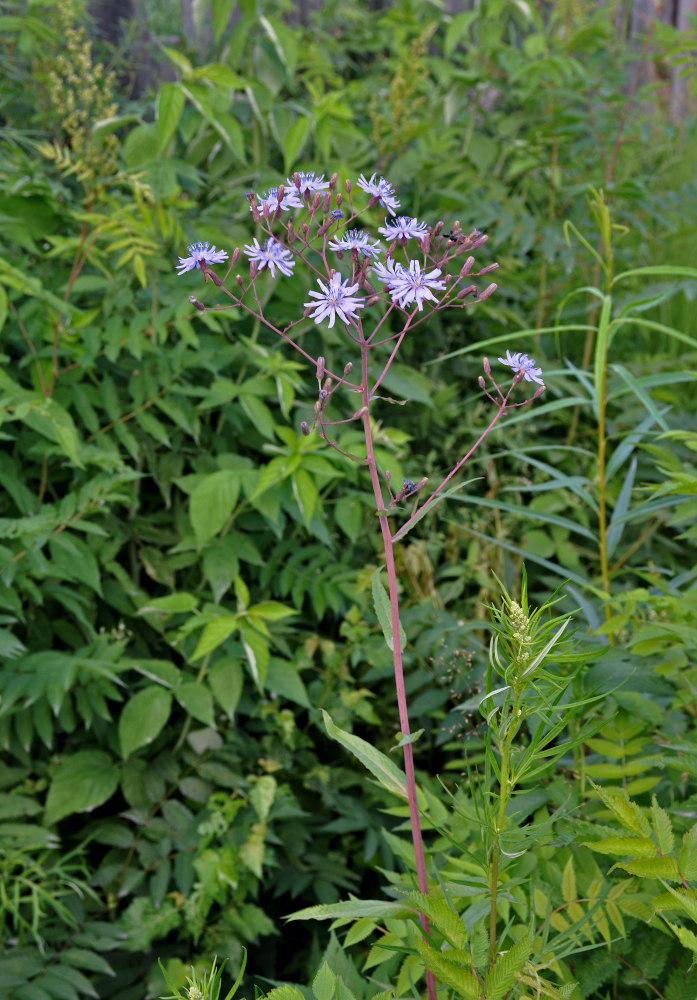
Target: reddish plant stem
{"type": "Point", "coordinates": [417, 839]}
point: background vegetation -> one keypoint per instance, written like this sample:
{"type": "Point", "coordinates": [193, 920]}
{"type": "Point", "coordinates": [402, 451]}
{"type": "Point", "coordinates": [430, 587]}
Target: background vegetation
{"type": "Point", "coordinates": [174, 797]}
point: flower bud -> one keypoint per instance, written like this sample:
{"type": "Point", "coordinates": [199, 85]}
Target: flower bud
{"type": "Point", "coordinates": [489, 267]}
{"type": "Point", "coordinates": [486, 366]}
{"type": "Point", "coordinates": [470, 290]}
{"type": "Point", "coordinates": [319, 374]}
{"type": "Point", "coordinates": [235, 256]}
{"type": "Point", "coordinates": [348, 367]}
{"type": "Point", "coordinates": [467, 267]}
{"type": "Point", "coordinates": [347, 186]}
{"type": "Point", "coordinates": [195, 302]}
{"type": "Point", "coordinates": [482, 383]}
{"type": "Point", "coordinates": [489, 290]}
{"type": "Point", "coordinates": [478, 242]}
{"type": "Point", "coordinates": [304, 428]}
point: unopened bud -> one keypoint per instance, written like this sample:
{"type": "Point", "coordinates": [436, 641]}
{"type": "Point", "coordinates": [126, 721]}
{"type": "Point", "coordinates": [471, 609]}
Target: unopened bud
{"type": "Point", "coordinates": [235, 256]}
{"type": "Point", "coordinates": [195, 302]}
{"type": "Point", "coordinates": [316, 201]}
{"type": "Point", "coordinates": [253, 203]}
{"type": "Point", "coordinates": [332, 181]}
{"type": "Point", "coordinates": [486, 366]}
{"type": "Point", "coordinates": [327, 385]}
{"type": "Point", "coordinates": [213, 277]}
{"type": "Point", "coordinates": [371, 300]}
{"type": "Point", "coordinates": [482, 383]}
{"type": "Point", "coordinates": [306, 312]}
{"type": "Point", "coordinates": [478, 242]}
{"type": "Point", "coordinates": [538, 392]}
{"type": "Point", "coordinates": [296, 180]}
{"type": "Point", "coordinates": [388, 475]}
{"type": "Point", "coordinates": [305, 229]}
{"type": "Point", "coordinates": [438, 228]}
{"type": "Point", "coordinates": [327, 202]}
{"type": "Point", "coordinates": [319, 374]}
{"type": "Point", "coordinates": [281, 192]}
{"type": "Point", "coordinates": [489, 290]}
{"type": "Point", "coordinates": [467, 267]}
{"type": "Point", "coordinates": [239, 280]}
{"type": "Point", "coordinates": [348, 367]}
{"type": "Point", "coordinates": [339, 199]}
{"type": "Point", "coordinates": [347, 186]}
{"type": "Point", "coordinates": [253, 269]}
{"type": "Point", "coordinates": [304, 428]}
{"type": "Point", "coordinates": [470, 290]}
{"type": "Point", "coordinates": [489, 267]}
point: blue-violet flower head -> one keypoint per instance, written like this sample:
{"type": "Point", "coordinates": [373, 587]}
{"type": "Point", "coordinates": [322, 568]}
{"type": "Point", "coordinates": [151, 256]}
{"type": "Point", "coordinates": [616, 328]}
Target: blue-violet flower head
{"type": "Point", "coordinates": [335, 299]}
{"type": "Point", "coordinates": [290, 200]}
{"type": "Point", "coordinates": [199, 252]}
{"type": "Point", "coordinates": [411, 285]}
{"type": "Point", "coordinates": [271, 255]}
{"type": "Point", "coordinates": [403, 228]}
{"type": "Point", "coordinates": [522, 363]}
{"type": "Point", "coordinates": [308, 183]}
{"type": "Point", "coordinates": [354, 239]}
{"type": "Point", "coordinates": [383, 191]}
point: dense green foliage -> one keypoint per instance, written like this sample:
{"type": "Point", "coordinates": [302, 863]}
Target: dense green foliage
{"type": "Point", "coordinates": [186, 579]}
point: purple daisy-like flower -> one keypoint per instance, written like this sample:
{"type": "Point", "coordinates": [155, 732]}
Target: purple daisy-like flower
{"type": "Point", "coordinates": [354, 239]}
{"type": "Point", "coordinates": [522, 363]}
{"type": "Point", "coordinates": [309, 183]}
{"type": "Point", "coordinates": [411, 285]}
{"type": "Point", "coordinates": [383, 191]}
{"type": "Point", "coordinates": [385, 272]}
{"type": "Point", "coordinates": [290, 200]}
{"type": "Point", "coordinates": [199, 252]}
{"type": "Point", "coordinates": [271, 255]}
{"type": "Point", "coordinates": [335, 299]}
{"type": "Point", "coordinates": [403, 228]}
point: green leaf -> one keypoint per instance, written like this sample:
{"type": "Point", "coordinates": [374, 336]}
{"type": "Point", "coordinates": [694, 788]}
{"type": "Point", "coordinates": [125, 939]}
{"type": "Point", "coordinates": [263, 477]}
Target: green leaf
{"type": "Point", "coordinates": [83, 781]}
{"type": "Point", "coordinates": [282, 677]}
{"type": "Point", "coordinates": [257, 650]}
{"type": "Point", "coordinates": [387, 773]}
{"type": "Point", "coordinates": [262, 794]}
{"type": "Point", "coordinates": [306, 493]}
{"type": "Point", "coordinates": [294, 142]}
{"type": "Point", "coordinates": [636, 847]}
{"type": "Point", "coordinates": [212, 503]}
{"type": "Point", "coordinates": [355, 909]}
{"type": "Point", "coordinates": [3, 306]}
{"type": "Point", "coordinates": [143, 718]}
{"type": "Point", "coordinates": [215, 632]}
{"type": "Point", "coordinates": [324, 983]}
{"type": "Point", "coordinates": [197, 700]}
{"type": "Point", "coordinates": [502, 975]}
{"type": "Point", "coordinates": [221, 11]}
{"type": "Point", "coordinates": [662, 827]}
{"type": "Point", "coordinates": [384, 613]}
{"type": "Point", "coordinates": [226, 678]}
{"type": "Point", "coordinates": [450, 973]}
{"type": "Point", "coordinates": [659, 867]}
{"type": "Point", "coordinates": [170, 103]}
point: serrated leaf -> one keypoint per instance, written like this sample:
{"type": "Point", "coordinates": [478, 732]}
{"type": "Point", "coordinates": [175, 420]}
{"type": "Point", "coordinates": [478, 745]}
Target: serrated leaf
{"type": "Point", "coordinates": [637, 847]}
{"type": "Point", "coordinates": [662, 827]}
{"type": "Point", "coordinates": [143, 718]}
{"type": "Point", "coordinates": [660, 867]}
{"type": "Point", "coordinates": [82, 782]}
{"type": "Point", "coordinates": [324, 983]}
{"type": "Point", "coordinates": [502, 975]}
{"type": "Point", "coordinates": [458, 978]}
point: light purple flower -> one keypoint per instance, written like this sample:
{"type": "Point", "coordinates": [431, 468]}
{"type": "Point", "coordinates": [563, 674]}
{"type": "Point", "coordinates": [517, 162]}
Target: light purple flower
{"type": "Point", "coordinates": [403, 228]}
{"type": "Point", "coordinates": [200, 252]}
{"type": "Point", "coordinates": [334, 300]}
{"type": "Point", "coordinates": [308, 183]}
{"type": "Point", "coordinates": [383, 191]}
{"type": "Point", "coordinates": [410, 285]}
{"type": "Point", "coordinates": [354, 239]}
{"type": "Point", "coordinates": [385, 272]}
{"type": "Point", "coordinates": [290, 200]}
{"type": "Point", "coordinates": [522, 363]}
{"type": "Point", "coordinates": [271, 255]}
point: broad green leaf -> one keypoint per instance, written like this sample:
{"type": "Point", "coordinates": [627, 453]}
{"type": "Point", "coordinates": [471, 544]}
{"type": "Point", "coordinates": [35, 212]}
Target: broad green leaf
{"type": "Point", "coordinates": [387, 773]}
{"type": "Point", "coordinates": [450, 973]}
{"type": "Point", "coordinates": [324, 983]}
{"type": "Point", "coordinates": [272, 611]}
{"type": "Point", "coordinates": [221, 11]}
{"type": "Point", "coordinates": [226, 678]}
{"type": "Point", "coordinates": [143, 718]}
{"type": "Point", "coordinates": [170, 104]}
{"type": "Point", "coordinates": [660, 867]}
{"type": "Point", "coordinates": [215, 632]}
{"type": "Point", "coordinates": [82, 782]}
{"type": "Point", "coordinates": [306, 493]}
{"type": "Point", "coordinates": [172, 604]}
{"type": "Point", "coordinates": [197, 700]}
{"type": "Point", "coordinates": [212, 502]}
{"type": "Point", "coordinates": [282, 677]}
{"type": "Point", "coordinates": [257, 650]}
{"type": "Point", "coordinates": [384, 613]}
{"type": "Point", "coordinates": [262, 794]}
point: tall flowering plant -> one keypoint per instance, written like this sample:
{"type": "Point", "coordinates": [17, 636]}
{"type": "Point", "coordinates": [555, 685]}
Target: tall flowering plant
{"type": "Point", "coordinates": [369, 287]}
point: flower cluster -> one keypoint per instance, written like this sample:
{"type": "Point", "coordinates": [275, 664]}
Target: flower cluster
{"type": "Point", "coordinates": [326, 223]}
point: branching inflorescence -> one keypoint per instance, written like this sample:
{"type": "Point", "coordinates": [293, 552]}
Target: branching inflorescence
{"type": "Point", "coordinates": [421, 271]}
